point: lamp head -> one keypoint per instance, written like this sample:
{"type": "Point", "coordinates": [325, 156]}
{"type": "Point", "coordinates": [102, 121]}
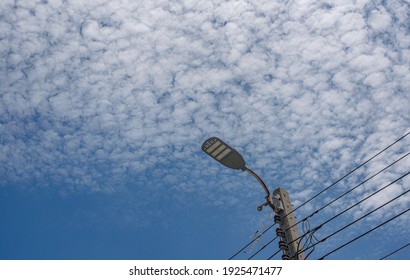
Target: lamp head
{"type": "Point", "coordinates": [223, 153]}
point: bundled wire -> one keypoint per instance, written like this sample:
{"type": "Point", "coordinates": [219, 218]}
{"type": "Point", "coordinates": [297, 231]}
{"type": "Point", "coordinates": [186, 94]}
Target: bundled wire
{"type": "Point", "coordinates": [309, 243]}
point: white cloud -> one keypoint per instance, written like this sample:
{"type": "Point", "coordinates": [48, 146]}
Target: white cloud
{"type": "Point", "coordinates": [95, 94]}
{"type": "Point", "coordinates": [380, 20]}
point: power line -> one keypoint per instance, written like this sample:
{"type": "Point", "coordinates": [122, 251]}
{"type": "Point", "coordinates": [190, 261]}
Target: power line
{"type": "Point", "coordinates": [352, 171]}
{"type": "Point", "coordinates": [309, 240]}
{"type": "Point", "coordinates": [274, 254]}
{"type": "Point", "coordinates": [363, 182]}
{"type": "Point", "coordinates": [354, 205]}
{"type": "Point", "coordinates": [358, 185]}
{"type": "Point", "coordinates": [263, 247]}
{"type": "Point", "coordinates": [253, 240]}
{"type": "Point", "coordinates": [363, 234]}
{"type": "Point", "coordinates": [331, 185]}
{"type": "Point", "coordinates": [395, 251]}
{"type": "Point", "coordinates": [355, 221]}
{"type": "Point", "coordinates": [347, 209]}
{"type": "Point", "coordinates": [259, 239]}
{"type": "Point", "coordinates": [318, 227]}
{"type": "Point", "coordinates": [310, 235]}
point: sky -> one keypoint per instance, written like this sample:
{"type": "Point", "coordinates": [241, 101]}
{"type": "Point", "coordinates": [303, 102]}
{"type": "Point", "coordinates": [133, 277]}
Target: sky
{"type": "Point", "coordinates": [104, 106]}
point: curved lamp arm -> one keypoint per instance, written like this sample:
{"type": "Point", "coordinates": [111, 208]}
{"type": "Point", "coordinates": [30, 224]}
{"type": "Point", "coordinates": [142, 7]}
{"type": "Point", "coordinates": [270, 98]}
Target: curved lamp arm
{"type": "Point", "coordinates": [260, 181]}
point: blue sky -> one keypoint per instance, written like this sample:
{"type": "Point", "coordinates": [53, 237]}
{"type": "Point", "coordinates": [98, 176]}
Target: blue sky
{"type": "Point", "coordinates": [104, 106]}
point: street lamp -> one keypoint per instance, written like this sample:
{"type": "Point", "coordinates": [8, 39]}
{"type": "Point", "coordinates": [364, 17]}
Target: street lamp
{"type": "Point", "coordinates": [226, 155]}
{"type": "Point", "coordinates": [279, 202]}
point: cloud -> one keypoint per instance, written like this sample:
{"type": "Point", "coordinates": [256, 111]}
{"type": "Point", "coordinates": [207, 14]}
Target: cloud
{"type": "Point", "coordinates": [99, 95]}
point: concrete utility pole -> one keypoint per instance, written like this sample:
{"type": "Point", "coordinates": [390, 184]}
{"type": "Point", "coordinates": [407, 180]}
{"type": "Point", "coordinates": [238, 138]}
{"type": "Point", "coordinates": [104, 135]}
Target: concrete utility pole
{"type": "Point", "coordinates": [287, 230]}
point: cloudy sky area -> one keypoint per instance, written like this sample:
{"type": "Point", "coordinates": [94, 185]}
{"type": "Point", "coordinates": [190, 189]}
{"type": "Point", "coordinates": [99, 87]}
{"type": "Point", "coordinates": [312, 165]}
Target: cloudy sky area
{"type": "Point", "coordinates": [104, 106]}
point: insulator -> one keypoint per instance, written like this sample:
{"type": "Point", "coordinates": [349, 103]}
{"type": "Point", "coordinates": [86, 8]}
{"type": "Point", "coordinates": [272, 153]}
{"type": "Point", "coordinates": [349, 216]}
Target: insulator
{"type": "Point", "coordinates": [277, 219]}
{"type": "Point", "coordinates": [283, 246]}
{"type": "Point", "coordinates": [285, 257]}
{"type": "Point", "coordinates": [280, 232]}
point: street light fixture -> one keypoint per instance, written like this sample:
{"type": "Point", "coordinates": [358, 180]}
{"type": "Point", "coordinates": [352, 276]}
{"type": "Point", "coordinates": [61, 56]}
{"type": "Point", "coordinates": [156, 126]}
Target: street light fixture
{"type": "Point", "coordinates": [223, 153]}
{"type": "Point", "coordinates": [279, 202]}
{"type": "Point", "coordinates": [228, 156]}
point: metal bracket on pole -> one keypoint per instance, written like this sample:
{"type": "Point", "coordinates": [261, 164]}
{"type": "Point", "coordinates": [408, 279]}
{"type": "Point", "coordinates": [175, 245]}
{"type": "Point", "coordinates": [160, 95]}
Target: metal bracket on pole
{"type": "Point", "coordinates": [277, 202]}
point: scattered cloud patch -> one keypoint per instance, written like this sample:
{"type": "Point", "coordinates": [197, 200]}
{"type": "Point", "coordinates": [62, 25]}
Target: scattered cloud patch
{"type": "Point", "coordinates": [111, 96]}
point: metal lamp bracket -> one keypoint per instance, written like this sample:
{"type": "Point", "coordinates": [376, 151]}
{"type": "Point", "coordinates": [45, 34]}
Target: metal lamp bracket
{"type": "Point", "coordinates": [277, 203]}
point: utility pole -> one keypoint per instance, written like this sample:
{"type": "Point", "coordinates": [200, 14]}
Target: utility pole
{"type": "Point", "coordinates": [287, 230]}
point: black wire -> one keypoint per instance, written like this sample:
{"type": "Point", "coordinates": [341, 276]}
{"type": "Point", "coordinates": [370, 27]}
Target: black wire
{"type": "Point", "coordinates": [366, 180]}
{"type": "Point", "coordinates": [363, 234]}
{"type": "Point", "coordinates": [253, 240]}
{"type": "Point", "coordinates": [263, 247]}
{"type": "Point", "coordinates": [371, 177]}
{"type": "Point", "coordinates": [362, 217]}
{"type": "Point", "coordinates": [313, 248]}
{"type": "Point", "coordinates": [349, 173]}
{"type": "Point", "coordinates": [309, 243]}
{"type": "Point", "coordinates": [274, 254]}
{"type": "Point", "coordinates": [306, 231]}
{"type": "Point", "coordinates": [281, 250]}
{"type": "Point", "coordinates": [337, 215]}
{"type": "Point", "coordinates": [312, 235]}
{"type": "Point", "coordinates": [395, 251]}
{"type": "Point", "coordinates": [354, 205]}
{"type": "Point", "coordinates": [360, 184]}
{"type": "Point", "coordinates": [331, 185]}
{"type": "Point", "coordinates": [349, 208]}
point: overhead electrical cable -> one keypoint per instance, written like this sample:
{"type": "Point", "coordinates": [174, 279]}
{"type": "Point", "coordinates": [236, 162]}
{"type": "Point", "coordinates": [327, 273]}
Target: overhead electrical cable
{"type": "Point", "coordinates": [274, 254]}
{"type": "Point", "coordinates": [347, 192]}
{"type": "Point", "coordinates": [354, 205]}
{"type": "Point", "coordinates": [352, 171]}
{"type": "Point", "coordinates": [249, 251]}
{"type": "Point", "coordinates": [349, 208]}
{"type": "Point", "coordinates": [328, 187]}
{"type": "Point", "coordinates": [263, 247]}
{"type": "Point", "coordinates": [368, 179]}
{"type": "Point", "coordinates": [358, 219]}
{"type": "Point", "coordinates": [395, 251]}
{"type": "Point", "coordinates": [253, 240]}
{"type": "Point", "coordinates": [365, 233]}
{"type": "Point", "coordinates": [360, 184]}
